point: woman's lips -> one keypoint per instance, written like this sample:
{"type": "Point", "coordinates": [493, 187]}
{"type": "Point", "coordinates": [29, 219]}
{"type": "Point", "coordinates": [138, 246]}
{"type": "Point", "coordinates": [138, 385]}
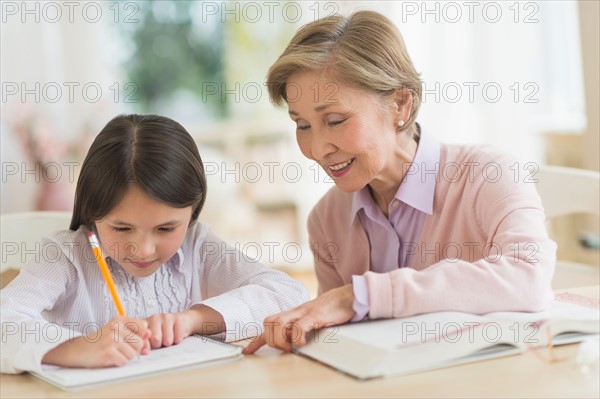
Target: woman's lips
{"type": "Point", "coordinates": [339, 169]}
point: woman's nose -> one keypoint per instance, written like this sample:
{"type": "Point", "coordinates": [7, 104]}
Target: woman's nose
{"type": "Point", "coordinates": [321, 146]}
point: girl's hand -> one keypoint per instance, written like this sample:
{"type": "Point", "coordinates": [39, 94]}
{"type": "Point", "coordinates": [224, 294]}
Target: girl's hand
{"type": "Point", "coordinates": [170, 328]}
{"type": "Point", "coordinates": [117, 342]}
{"type": "Point", "coordinates": [290, 328]}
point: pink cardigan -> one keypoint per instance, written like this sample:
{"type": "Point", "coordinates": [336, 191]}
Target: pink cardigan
{"type": "Point", "coordinates": [485, 247]}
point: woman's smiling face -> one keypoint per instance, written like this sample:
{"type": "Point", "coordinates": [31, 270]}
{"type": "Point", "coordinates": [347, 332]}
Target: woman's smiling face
{"type": "Point", "coordinates": [350, 132]}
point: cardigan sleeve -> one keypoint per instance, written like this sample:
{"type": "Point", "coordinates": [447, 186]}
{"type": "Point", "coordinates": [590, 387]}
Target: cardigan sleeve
{"type": "Point", "coordinates": [513, 274]}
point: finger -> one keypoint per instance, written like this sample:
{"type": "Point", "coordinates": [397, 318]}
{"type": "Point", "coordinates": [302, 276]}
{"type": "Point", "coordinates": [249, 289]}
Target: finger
{"type": "Point", "coordinates": [146, 348]}
{"type": "Point", "coordinates": [302, 327]}
{"type": "Point", "coordinates": [295, 335]}
{"type": "Point", "coordinates": [137, 326]}
{"type": "Point", "coordinates": [116, 324]}
{"type": "Point", "coordinates": [269, 333]}
{"type": "Point", "coordinates": [142, 326]}
{"type": "Point", "coordinates": [254, 345]}
{"type": "Point", "coordinates": [146, 343]}
{"type": "Point", "coordinates": [117, 353]}
{"type": "Point", "coordinates": [122, 329]}
{"type": "Point", "coordinates": [275, 333]}
{"type": "Point", "coordinates": [132, 336]}
{"type": "Point", "coordinates": [291, 330]}
{"type": "Point", "coordinates": [179, 330]}
{"type": "Point", "coordinates": [155, 327]}
{"type": "Point", "coordinates": [281, 337]}
{"type": "Point", "coordinates": [296, 332]}
{"type": "Point", "coordinates": [128, 351]}
{"type": "Point", "coordinates": [114, 358]}
{"type": "Point", "coordinates": [129, 343]}
{"type": "Point", "coordinates": [167, 330]}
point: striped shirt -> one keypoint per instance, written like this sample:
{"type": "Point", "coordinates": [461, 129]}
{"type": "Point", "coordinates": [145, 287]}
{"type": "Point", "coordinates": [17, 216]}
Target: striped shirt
{"type": "Point", "coordinates": [62, 294]}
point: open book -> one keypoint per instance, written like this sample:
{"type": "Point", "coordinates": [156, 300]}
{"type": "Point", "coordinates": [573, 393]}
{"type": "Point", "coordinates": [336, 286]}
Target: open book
{"type": "Point", "coordinates": [194, 351]}
{"type": "Point", "coordinates": [384, 348]}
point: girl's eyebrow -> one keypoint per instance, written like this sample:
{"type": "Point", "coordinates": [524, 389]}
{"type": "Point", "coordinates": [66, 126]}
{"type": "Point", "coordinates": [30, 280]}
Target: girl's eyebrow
{"type": "Point", "coordinates": [171, 222]}
{"type": "Point", "coordinates": [121, 223]}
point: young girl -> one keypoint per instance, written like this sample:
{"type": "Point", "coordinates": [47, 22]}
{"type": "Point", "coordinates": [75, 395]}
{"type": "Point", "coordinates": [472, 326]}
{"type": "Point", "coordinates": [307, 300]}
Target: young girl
{"type": "Point", "coordinates": [141, 189]}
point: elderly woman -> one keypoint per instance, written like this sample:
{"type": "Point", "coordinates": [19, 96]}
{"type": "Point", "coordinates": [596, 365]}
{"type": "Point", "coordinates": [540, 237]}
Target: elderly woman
{"type": "Point", "coordinates": [412, 225]}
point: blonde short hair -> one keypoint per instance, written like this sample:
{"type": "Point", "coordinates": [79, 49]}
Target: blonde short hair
{"type": "Point", "coordinates": [364, 50]}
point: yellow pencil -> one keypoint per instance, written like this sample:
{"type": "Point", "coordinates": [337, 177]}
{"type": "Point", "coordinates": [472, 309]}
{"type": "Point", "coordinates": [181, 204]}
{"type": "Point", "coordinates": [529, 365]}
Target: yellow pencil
{"type": "Point", "coordinates": [106, 273]}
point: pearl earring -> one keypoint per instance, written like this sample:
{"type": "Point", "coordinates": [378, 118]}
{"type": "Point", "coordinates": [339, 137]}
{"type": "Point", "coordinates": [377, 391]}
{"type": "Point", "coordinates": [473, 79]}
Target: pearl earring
{"type": "Point", "coordinates": [401, 122]}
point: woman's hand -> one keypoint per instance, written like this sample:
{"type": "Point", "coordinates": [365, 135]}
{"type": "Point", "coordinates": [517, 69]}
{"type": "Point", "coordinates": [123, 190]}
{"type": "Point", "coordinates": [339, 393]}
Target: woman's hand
{"type": "Point", "coordinates": [171, 328]}
{"type": "Point", "coordinates": [287, 328]}
{"type": "Point", "coordinates": [117, 342]}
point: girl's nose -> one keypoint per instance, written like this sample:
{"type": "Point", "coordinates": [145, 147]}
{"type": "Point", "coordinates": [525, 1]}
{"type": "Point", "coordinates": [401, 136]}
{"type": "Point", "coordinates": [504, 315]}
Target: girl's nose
{"type": "Point", "coordinates": [144, 249]}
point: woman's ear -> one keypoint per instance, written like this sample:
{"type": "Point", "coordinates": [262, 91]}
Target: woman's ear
{"type": "Point", "coordinates": [402, 105]}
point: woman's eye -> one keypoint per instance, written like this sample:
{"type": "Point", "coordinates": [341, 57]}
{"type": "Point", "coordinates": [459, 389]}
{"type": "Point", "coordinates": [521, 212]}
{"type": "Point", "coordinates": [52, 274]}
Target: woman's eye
{"type": "Point", "coordinates": [120, 229]}
{"type": "Point", "coordinates": [334, 123]}
{"type": "Point", "coordinates": [302, 127]}
{"type": "Point", "coordinates": [167, 229]}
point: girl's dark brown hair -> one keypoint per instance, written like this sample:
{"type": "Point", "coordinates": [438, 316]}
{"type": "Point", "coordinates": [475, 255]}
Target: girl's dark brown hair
{"type": "Point", "coordinates": [154, 152]}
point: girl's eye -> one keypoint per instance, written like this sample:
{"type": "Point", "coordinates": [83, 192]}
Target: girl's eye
{"type": "Point", "coordinates": [302, 127]}
{"type": "Point", "coordinates": [120, 229]}
{"type": "Point", "coordinates": [167, 229]}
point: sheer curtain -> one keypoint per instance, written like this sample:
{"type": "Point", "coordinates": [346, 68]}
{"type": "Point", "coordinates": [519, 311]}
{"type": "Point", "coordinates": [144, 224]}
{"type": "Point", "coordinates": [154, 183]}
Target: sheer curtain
{"type": "Point", "coordinates": [500, 73]}
{"type": "Point", "coordinates": [58, 81]}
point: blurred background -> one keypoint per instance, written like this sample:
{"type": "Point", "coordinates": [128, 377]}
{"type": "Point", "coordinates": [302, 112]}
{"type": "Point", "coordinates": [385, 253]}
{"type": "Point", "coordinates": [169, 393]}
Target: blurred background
{"type": "Point", "coordinates": [520, 75]}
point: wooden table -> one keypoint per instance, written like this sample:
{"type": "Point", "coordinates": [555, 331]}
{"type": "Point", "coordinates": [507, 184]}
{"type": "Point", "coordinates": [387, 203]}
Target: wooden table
{"type": "Point", "coordinates": [272, 374]}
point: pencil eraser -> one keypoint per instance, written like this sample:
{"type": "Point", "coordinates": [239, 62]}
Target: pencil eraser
{"type": "Point", "coordinates": [93, 239]}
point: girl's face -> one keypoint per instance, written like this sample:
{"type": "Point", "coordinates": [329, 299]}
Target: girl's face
{"type": "Point", "coordinates": [141, 233]}
{"type": "Point", "coordinates": [351, 133]}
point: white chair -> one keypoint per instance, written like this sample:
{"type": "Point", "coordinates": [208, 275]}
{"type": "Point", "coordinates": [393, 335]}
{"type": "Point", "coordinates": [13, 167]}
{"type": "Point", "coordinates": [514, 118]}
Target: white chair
{"type": "Point", "coordinates": [566, 191]}
{"type": "Point", "coordinates": [21, 235]}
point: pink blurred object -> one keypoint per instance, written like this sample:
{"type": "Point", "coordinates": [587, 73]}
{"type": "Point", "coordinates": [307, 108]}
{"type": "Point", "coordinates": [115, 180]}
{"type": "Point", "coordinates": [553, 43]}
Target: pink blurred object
{"type": "Point", "coordinates": [54, 196]}
{"type": "Point", "coordinates": [47, 153]}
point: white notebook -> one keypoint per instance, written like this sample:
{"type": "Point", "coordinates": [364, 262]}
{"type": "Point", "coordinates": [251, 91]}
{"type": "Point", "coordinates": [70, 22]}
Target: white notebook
{"type": "Point", "coordinates": [192, 352]}
{"type": "Point", "coordinates": [384, 348]}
